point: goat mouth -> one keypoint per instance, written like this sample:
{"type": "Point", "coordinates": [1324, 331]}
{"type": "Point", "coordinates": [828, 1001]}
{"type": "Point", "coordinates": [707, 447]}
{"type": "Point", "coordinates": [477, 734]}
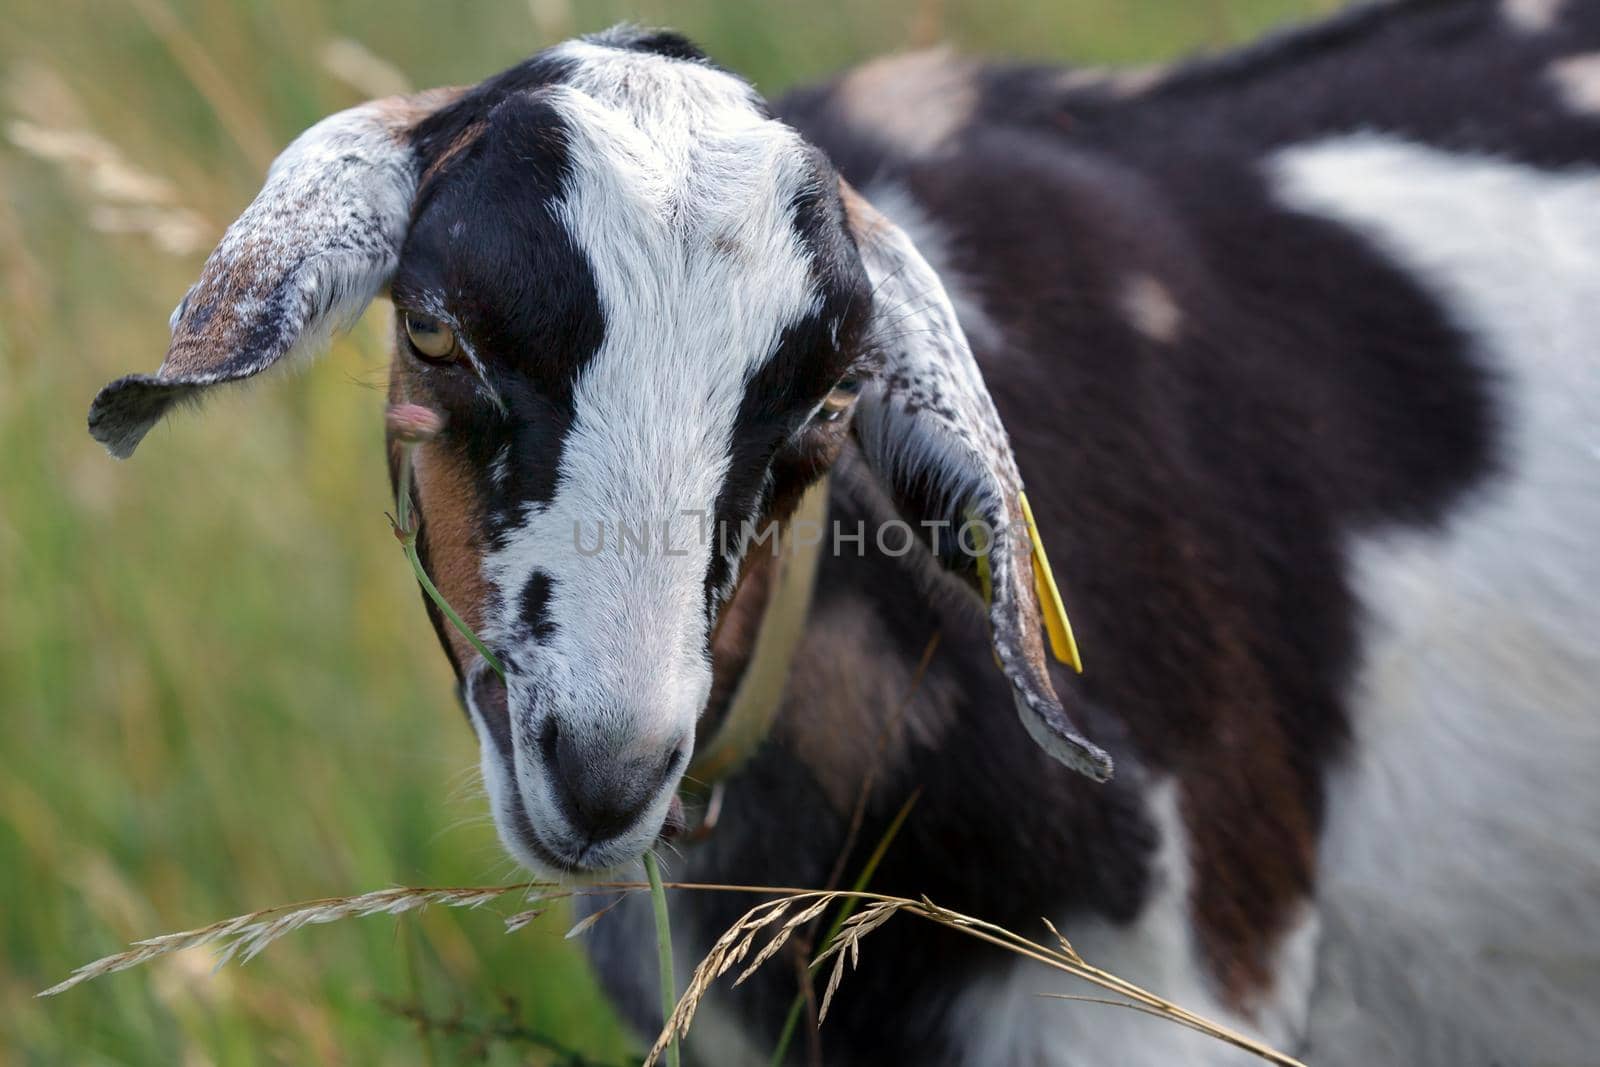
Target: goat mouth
{"type": "Point", "coordinates": [528, 842]}
{"type": "Point", "coordinates": [489, 710]}
{"type": "Point", "coordinates": [587, 860]}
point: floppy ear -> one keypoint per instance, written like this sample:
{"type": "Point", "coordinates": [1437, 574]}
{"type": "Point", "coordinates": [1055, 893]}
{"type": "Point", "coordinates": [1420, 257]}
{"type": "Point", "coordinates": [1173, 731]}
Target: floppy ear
{"type": "Point", "coordinates": [929, 429]}
{"type": "Point", "coordinates": [319, 241]}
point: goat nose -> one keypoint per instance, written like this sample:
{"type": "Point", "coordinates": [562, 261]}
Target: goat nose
{"type": "Point", "coordinates": [600, 794]}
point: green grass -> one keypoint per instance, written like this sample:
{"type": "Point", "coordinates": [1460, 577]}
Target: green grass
{"type": "Point", "coordinates": [218, 688]}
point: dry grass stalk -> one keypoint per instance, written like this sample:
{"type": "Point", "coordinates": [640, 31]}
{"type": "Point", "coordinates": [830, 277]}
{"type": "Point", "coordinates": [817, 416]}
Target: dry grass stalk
{"type": "Point", "coordinates": [582, 926]}
{"type": "Point", "coordinates": [790, 909]}
{"type": "Point", "coordinates": [246, 935]}
{"type": "Point", "coordinates": [878, 909]}
{"type": "Point", "coordinates": [521, 919]}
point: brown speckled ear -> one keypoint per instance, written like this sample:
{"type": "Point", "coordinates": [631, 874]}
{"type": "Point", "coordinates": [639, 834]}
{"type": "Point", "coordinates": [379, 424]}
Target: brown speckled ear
{"type": "Point", "coordinates": [319, 241]}
{"type": "Point", "coordinates": [929, 429]}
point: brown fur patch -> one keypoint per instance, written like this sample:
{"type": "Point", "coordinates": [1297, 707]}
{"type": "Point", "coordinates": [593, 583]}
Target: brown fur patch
{"type": "Point", "coordinates": [739, 622]}
{"type": "Point", "coordinates": [1250, 874]}
{"type": "Point", "coordinates": [467, 138]}
{"type": "Point", "coordinates": [734, 638]}
{"type": "Point", "coordinates": [1220, 728]}
{"type": "Point", "coordinates": [854, 683]}
{"type": "Point", "coordinates": [451, 536]}
{"type": "Point", "coordinates": [860, 216]}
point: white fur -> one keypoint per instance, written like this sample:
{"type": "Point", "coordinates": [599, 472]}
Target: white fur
{"type": "Point", "coordinates": [679, 196]}
{"type": "Point", "coordinates": [1460, 878]}
{"type": "Point", "coordinates": [1002, 1021]}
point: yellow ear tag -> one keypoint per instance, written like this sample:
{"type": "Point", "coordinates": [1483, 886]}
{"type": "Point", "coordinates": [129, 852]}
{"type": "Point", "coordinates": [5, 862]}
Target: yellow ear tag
{"type": "Point", "coordinates": [1056, 623]}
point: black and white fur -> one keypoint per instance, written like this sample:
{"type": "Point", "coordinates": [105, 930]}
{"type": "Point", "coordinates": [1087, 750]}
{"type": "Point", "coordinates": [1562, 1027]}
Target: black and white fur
{"type": "Point", "coordinates": [1297, 353]}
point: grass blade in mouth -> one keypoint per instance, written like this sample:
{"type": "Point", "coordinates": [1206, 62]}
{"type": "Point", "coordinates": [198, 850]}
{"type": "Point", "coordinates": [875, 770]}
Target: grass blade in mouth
{"type": "Point", "coordinates": [669, 992]}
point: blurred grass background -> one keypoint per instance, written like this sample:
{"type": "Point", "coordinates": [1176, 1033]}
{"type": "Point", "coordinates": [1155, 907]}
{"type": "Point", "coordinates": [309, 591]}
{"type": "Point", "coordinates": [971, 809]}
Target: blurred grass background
{"type": "Point", "coordinates": [218, 690]}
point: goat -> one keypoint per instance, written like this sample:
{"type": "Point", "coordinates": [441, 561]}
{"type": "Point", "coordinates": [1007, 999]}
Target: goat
{"type": "Point", "coordinates": [1296, 348]}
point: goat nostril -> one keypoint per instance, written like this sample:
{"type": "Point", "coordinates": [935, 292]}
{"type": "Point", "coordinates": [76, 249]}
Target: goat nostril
{"type": "Point", "coordinates": [600, 793]}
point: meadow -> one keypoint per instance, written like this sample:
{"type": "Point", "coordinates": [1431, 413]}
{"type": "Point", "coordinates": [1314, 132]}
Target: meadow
{"type": "Point", "coordinates": [218, 689]}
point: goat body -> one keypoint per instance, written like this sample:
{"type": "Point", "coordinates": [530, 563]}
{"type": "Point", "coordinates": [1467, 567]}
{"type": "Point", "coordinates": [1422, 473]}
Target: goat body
{"type": "Point", "coordinates": [1296, 351]}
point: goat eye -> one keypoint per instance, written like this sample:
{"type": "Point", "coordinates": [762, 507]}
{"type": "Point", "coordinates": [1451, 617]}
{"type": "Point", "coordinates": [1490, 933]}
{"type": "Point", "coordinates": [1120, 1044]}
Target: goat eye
{"type": "Point", "coordinates": [839, 399]}
{"type": "Point", "coordinates": [431, 338]}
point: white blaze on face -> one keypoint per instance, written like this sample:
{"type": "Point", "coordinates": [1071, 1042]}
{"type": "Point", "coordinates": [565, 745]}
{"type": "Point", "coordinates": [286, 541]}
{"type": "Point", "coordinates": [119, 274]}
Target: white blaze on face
{"type": "Point", "coordinates": [679, 195]}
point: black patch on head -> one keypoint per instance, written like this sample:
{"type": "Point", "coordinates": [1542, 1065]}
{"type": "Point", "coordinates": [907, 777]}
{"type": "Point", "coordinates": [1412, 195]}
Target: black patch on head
{"type": "Point", "coordinates": [811, 355]}
{"type": "Point", "coordinates": [486, 240]}
{"type": "Point", "coordinates": [536, 607]}
{"type": "Point", "coordinates": [668, 43]}
{"type": "Point", "coordinates": [435, 134]}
